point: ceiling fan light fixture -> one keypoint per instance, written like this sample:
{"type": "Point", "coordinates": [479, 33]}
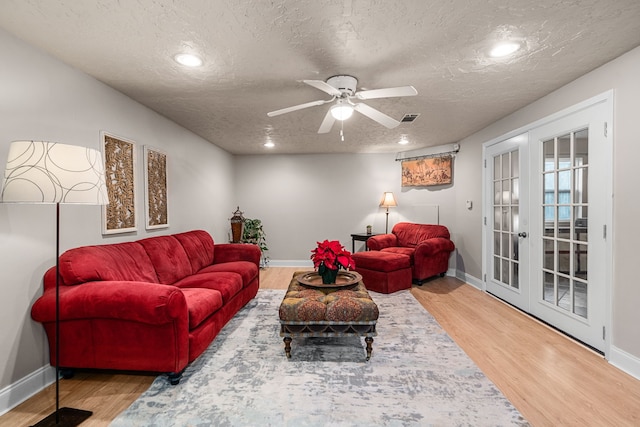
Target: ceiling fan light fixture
{"type": "Point", "coordinates": [188, 60]}
{"type": "Point", "coordinates": [341, 111]}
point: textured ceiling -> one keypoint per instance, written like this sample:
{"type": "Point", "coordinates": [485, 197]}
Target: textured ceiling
{"type": "Point", "coordinates": [256, 52]}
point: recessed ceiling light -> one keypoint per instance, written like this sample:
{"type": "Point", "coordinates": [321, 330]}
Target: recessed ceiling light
{"type": "Point", "coordinates": [188, 60]}
{"type": "Point", "coordinates": [269, 144]}
{"type": "Point", "coordinates": [504, 49]}
{"type": "Point", "coordinates": [403, 140]}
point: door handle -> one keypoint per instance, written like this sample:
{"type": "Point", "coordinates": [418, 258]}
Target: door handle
{"type": "Point", "coordinates": [522, 234]}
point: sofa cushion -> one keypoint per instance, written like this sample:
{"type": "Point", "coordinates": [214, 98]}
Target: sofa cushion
{"type": "Point", "coordinates": [246, 269]}
{"type": "Point", "coordinates": [198, 245]}
{"type": "Point", "coordinates": [227, 283]}
{"type": "Point", "coordinates": [410, 234]}
{"type": "Point", "coordinates": [115, 262]}
{"type": "Point", "coordinates": [168, 258]}
{"type": "Point", "coordinates": [201, 304]}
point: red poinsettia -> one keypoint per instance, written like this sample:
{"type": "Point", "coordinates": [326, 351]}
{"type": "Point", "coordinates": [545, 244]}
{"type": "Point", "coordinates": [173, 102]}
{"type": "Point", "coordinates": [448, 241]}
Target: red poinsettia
{"type": "Point", "coordinates": [331, 255]}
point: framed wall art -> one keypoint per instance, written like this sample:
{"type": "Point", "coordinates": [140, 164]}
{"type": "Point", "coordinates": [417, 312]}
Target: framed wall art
{"type": "Point", "coordinates": [427, 171]}
{"type": "Point", "coordinates": [155, 188]}
{"type": "Point", "coordinates": [119, 216]}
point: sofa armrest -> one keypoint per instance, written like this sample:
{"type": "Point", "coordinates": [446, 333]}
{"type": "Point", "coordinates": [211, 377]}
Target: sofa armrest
{"type": "Point", "coordinates": [381, 241]}
{"type": "Point", "coordinates": [229, 252]}
{"type": "Point", "coordinates": [433, 246]}
{"type": "Point", "coordinates": [143, 302]}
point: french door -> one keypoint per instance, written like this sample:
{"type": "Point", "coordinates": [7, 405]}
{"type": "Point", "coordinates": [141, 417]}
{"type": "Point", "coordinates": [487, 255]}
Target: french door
{"type": "Point", "coordinates": [548, 214]}
{"type": "Point", "coordinates": [571, 260]}
{"type": "Point", "coordinates": [508, 192]}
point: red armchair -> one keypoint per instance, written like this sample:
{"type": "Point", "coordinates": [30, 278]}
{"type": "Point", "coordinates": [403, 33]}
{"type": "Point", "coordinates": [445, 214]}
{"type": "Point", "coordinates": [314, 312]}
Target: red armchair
{"type": "Point", "coordinates": [428, 247]}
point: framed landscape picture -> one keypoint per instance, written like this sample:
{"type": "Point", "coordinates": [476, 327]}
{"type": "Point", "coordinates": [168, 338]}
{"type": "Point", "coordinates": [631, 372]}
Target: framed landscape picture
{"type": "Point", "coordinates": [426, 172]}
{"type": "Point", "coordinates": [119, 216]}
{"type": "Point", "coordinates": [155, 188]}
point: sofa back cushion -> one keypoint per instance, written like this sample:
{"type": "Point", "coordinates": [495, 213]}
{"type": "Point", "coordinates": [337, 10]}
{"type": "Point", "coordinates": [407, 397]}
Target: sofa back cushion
{"type": "Point", "coordinates": [410, 234]}
{"type": "Point", "coordinates": [168, 258]}
{"type": "Point", "coordinates": [121, 261]}
{"type": "Point", "coordinates": [198, 245]}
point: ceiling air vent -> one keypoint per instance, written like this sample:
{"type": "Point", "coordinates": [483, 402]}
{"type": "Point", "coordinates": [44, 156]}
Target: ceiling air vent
{"type": "Point", "coordinates": [409, 118]}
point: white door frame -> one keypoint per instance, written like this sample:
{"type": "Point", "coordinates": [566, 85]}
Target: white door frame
{"type": "Point", "coordinates": [606, 97]}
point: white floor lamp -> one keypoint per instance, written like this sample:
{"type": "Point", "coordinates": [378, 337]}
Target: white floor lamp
{"type": "Point", "coordinates": [53, 173]}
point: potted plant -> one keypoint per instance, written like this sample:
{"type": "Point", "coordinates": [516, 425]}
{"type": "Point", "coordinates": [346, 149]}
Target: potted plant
{"type": "Point", "coordinates": [253, 233]}
{"type": "Point", "coordinates": [329, 257]}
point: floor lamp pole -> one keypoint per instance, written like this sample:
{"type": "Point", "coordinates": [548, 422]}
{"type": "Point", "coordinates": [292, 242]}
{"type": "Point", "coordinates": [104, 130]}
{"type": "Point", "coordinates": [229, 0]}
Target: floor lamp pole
{"type": "Point", "coordinates": [62, 417]}
{"type": "Point", "coordinates": [386, 226]}
{"type": "Point", "coordinates": [57, 313]}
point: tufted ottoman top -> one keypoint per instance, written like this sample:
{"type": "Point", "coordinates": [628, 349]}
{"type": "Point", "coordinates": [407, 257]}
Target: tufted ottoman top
{"type": "Point", "coordinates": [307, 304]}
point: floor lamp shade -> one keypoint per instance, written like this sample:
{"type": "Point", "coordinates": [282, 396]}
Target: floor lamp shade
{"type": "Point", "coordinates": [49, 172]}
{"type": "Point", "coordinates": [388, 201]}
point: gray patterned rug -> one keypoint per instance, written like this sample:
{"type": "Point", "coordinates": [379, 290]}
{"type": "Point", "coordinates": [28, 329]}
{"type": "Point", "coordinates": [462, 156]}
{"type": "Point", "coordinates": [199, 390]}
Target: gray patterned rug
{"type": "Point", "coordinates": [417, 376]}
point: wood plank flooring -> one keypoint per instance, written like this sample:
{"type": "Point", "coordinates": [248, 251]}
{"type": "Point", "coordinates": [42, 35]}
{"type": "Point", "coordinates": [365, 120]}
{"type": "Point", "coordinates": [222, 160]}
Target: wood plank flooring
{"type": "Point", "coordinates": [552, 380]}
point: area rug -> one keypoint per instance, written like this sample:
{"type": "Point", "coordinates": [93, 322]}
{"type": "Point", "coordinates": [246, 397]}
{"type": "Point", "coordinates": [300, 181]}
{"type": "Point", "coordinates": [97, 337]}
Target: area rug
{"type": "Point", "coordinates": [417, 376]}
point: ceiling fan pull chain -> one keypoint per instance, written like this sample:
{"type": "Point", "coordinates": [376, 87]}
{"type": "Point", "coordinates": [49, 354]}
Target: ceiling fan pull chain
{"type": "Point", "coordinates": [342, 130]}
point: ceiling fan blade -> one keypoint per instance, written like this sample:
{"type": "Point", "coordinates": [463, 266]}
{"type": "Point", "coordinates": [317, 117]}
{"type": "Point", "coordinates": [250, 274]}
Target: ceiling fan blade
{"type": "Point", "coordinates": [327, 123]}
{"type": "Point", "coordinates": [297, 107]}
{"type": "Point", "coordinates": [376, 115]}
{"type": "Point", "coordinates": [390, 92]}
{"type": "Point", "coordinates": [323, 86]}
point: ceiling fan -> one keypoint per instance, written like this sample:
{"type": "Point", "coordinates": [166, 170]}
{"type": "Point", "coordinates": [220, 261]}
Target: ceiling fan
{"type": "Point", "coordinates": [342, 88]}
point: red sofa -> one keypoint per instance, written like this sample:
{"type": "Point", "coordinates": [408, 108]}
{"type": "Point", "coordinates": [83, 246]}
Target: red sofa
{"type": "Point", "coordinates": [428, 247]}
{"type": "Point", "coordinates": [151, 305]}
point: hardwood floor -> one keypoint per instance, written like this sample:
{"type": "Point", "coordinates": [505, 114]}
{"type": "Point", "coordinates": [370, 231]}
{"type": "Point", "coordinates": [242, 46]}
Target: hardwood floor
{"type": "Point", "coordinates": [551, 379]}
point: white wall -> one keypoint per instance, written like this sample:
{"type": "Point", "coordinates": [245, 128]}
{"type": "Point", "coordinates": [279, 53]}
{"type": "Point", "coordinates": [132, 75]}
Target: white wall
{"type": "Point", "coordinates": [43, 99]}
{"type": "Point", "coordinates": [302, 199]}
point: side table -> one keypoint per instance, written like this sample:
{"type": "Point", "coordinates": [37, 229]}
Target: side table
{"type": "Point", "coordinates": [361, 237]}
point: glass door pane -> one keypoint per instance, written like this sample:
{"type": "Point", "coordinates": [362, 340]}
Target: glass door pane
{"type": "Point", "coordinates": [506, 218]}
{"type": "Point", "coordinates": [565, 227]}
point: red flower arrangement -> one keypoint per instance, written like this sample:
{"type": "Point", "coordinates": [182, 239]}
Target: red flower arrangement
{"type": "Point", "coordinates": [331, 255]}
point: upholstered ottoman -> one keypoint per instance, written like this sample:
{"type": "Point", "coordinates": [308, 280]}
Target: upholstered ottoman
{"type": "Point", "coordinates": [327, 312]}
{"type": "Point", "coordinates": [383, 272]}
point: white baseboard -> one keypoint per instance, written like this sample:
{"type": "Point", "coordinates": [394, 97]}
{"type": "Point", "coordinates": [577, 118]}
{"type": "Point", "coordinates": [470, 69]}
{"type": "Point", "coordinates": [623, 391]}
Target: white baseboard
{"type": "Point", "coordinates": [290, 263]}
{"type": "Point", "coordinates": [467, 278]}
{"type": "Point", "coordinates": [16, 393]}
{"type": "Point", "coordinates": [625, 362]}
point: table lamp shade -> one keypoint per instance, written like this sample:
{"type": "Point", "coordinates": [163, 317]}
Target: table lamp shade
{"type": "Point", "coordinates": [50, 172]}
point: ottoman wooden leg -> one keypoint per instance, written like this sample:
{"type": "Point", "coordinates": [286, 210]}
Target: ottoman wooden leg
{"type": "Point", "coordinates": [287, 346]}
{"type": "Point", "coordinates": [369, 341]}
